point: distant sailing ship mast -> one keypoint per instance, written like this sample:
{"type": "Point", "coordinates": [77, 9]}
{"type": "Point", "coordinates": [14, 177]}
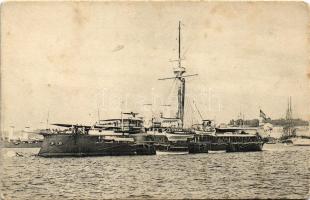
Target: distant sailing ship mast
{"type": "Point", "coordinates": [289, 129]}
{"type": "Point", "coordinates": [179, 76]}
{"type": "Point", "coordinates": [289, 112]}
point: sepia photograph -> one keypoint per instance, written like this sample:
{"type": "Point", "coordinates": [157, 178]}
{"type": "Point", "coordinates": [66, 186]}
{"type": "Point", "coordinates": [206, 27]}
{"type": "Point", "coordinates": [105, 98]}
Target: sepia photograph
{"type": "Point", "coordinates": [154, 100]}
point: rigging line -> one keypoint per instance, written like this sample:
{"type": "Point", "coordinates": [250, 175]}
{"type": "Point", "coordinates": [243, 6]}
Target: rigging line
{"type": "Point", "coordinates": [189, 45]}
{"type": "Point", "coordinates": [186, 50]}
{"type": "Point", "coordinates": [193, 114]}
{"type": "Point", "coordinates": [194, 119]}
{"type": "Point", "coordinates": [197, 110]}
{"type": "Point", "coordinates": [169, 97]}
{"type": "Point", "coordinates": [198, 116]}
{"type": "Point", "coordinates": [188, 113]}
{"type": "Point", "coordinates": [189, 106]}
{"type": "Point", "coordinates": [172, 89]}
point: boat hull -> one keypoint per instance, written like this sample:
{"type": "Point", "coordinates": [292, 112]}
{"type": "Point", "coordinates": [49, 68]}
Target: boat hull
{"type": "Point", "coordinates": [90, 145]}
{"type": "Point", "coordinates": [171, 148]}
{"type": "Point", "coordinates": [198, 147]}
{"type": "Point", "coordinates": [158, 152]}
{"type": "Point", "coordinates": [228, 143]}
{"type": "Point", "coordinates": [245, 147]}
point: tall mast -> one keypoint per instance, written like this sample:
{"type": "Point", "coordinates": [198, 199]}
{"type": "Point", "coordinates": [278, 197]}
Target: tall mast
{"type": "Point", "coordinates": [179, 43]}
{"type": "Point", "coordinates": [181, 89]}
{"type": "Point", "coordinates": [178, 72]}
{"type": "Point", "coordinates": [289, 109]}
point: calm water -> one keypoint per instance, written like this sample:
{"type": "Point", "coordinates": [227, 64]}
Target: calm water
{"type": "Point", "coordinates": [277, 172]}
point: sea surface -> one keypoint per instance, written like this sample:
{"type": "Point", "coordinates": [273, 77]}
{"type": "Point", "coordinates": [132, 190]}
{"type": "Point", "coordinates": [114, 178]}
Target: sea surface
{"type": "Point", "coordinates": [277, 172]}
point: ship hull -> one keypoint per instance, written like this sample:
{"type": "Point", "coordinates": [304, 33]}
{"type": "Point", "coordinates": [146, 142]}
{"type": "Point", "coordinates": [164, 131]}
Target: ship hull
{"type": "Point", "coordinates": [236, 147]}
{"type": "Point", "coordinates": [218, 147]}
{"type": "Point", "coordinates": [198, 147]}
{"type": "Point", "coordinates": [228, 143]}
{"type": "Point", "coordinates": [171, 144]}
{"type": "Point", "coordinates": [90, 145]}
{"type": "Point", "coordinates": [171, 148]}
{"type": "Point", "coordinates": [245, 147]}
{"type": "Point", "coordinates": [159, 152]}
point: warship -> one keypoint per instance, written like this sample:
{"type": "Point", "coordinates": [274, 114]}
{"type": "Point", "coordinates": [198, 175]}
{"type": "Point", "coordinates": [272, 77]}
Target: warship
{"type": "Point", "coordinates": [106, 138]}
{"type": "Point", "coordinates": [166, 135]}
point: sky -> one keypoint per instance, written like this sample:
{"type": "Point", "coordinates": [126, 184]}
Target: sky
{"type": "Point", "coordinates": [65, 61]}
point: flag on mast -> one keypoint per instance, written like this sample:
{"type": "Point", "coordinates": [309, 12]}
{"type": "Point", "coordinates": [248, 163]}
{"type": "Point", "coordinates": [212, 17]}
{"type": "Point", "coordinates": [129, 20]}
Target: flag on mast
{"type": "Point", "coordinates": [262, 114]}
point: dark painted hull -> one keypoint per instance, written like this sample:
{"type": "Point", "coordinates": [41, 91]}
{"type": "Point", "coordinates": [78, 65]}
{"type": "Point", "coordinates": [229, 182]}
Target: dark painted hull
{"type": "Point", "coordinates": [205, 147]}
{"type": "Point", "coordinates": [162, 144]}
{"type": "Point", "coordinates": [62, 145]}
{"type": "Point", "coordinates": [198, 147]}
{"type": "Point", "coordinates": [171, 148]}
{"type": "Point", "coordinates": [217, 147]}
{"type": "Point", "coordinates": [236, 147]}
{"type": "Point", "coordinates": [210, 143]}
{"type": "Point", "coordinates": [232, 143]}
{"type": "Point", "coordinates": [245, 147]}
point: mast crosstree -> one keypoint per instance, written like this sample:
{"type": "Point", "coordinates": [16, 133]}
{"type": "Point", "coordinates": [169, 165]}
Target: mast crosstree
{"type": "Point", "coordinates": [179, 72]}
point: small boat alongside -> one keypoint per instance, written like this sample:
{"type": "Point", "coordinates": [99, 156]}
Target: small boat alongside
{"type": "Point", "coordinates": [170, 140]}
{"type": "Point", "coordinates": [175, 151]}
